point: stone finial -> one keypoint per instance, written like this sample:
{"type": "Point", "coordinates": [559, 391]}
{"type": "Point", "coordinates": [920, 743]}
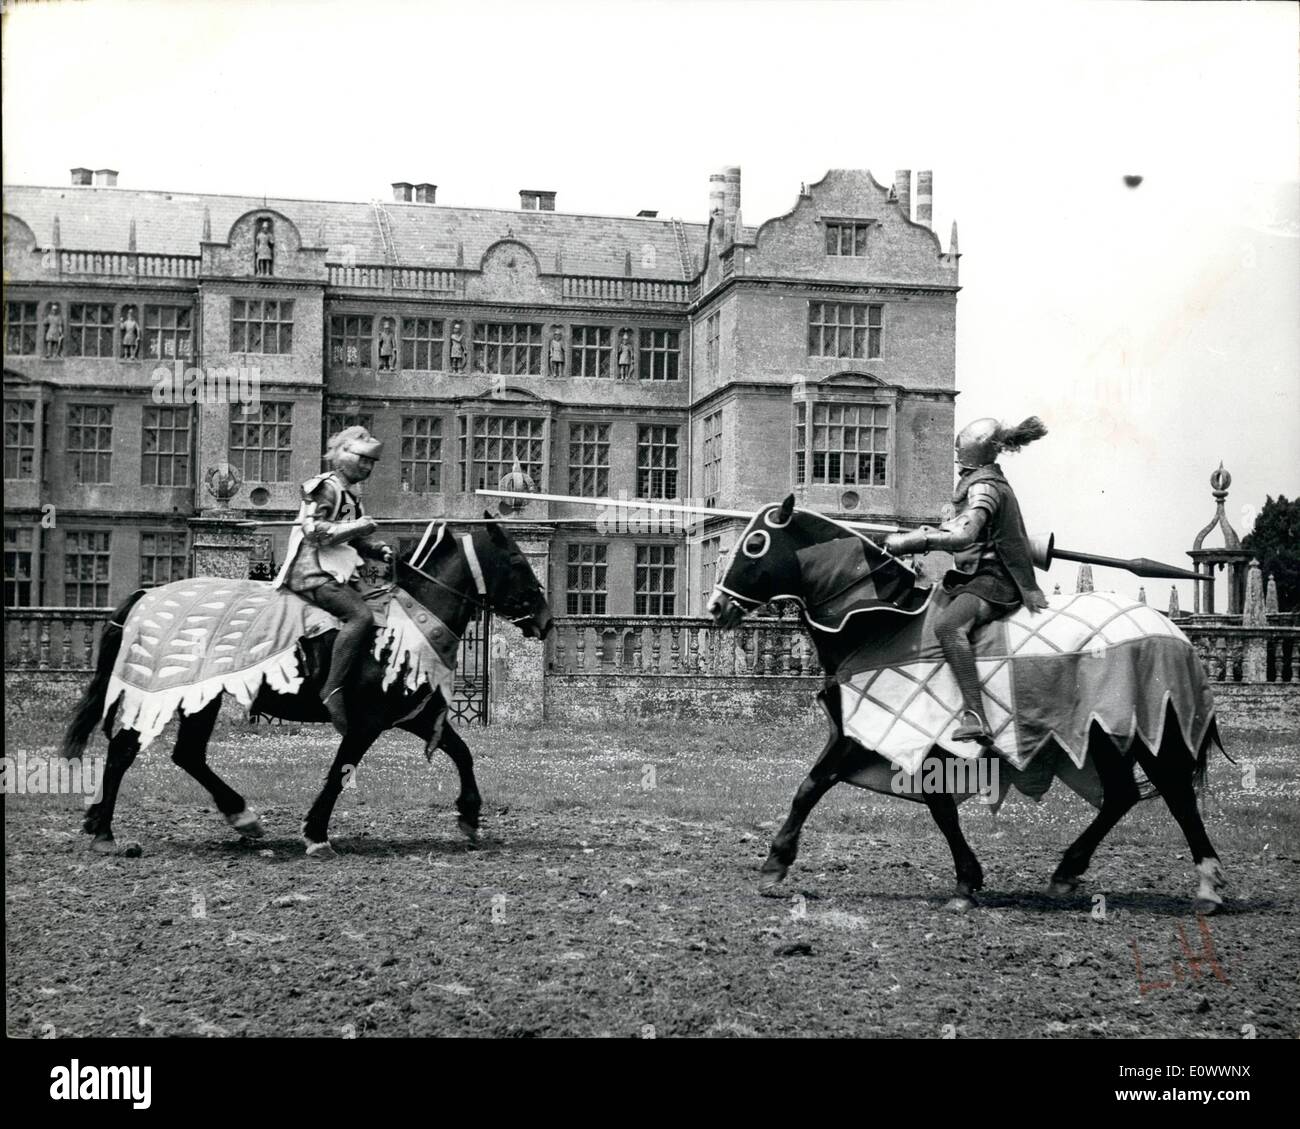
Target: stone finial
{"type": "Point", "coordinates": [1270, 596]}
{"type": "Point", "coordinates": [952, 240]}
{"type": "Point", "coordinates": [1252, 614]}
{"type": "Point", "coordinates": [130, 236]}
{"type": "Point", "coordinates": [207, 224]}
{"type": "Point", "coordinates": [1220, 480]}
{"type": "Point", "coordinates": [1173, 602]}
{"type": "Point", "coordinates": [1142, 595]}
{"type": "Point", "coordinates": [1084, 583]}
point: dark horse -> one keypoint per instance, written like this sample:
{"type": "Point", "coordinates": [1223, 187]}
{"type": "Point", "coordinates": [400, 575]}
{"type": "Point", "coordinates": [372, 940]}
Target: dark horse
{"type": "Point", "coordinates": [765, 566]}
{"type": "Point", "coordinates": [446, 585]}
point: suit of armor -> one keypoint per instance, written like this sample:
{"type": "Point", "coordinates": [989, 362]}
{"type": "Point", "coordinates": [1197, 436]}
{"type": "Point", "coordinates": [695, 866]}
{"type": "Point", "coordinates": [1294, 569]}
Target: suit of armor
{"type": "Point", "coordinates": [326, 549]}
{"type": "Point", "coordinates": [994, 573]}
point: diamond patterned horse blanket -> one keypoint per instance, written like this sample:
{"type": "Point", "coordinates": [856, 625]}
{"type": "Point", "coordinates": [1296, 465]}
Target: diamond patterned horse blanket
{"type": "Point", "coordinates": [185, 643]}
{"type": "Point", "coordinates": [1047, 676]}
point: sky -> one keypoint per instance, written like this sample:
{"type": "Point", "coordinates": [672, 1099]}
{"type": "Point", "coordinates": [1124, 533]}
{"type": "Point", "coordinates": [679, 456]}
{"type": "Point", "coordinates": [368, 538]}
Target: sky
{"type": "Point", "coordinates": [1154, 328]}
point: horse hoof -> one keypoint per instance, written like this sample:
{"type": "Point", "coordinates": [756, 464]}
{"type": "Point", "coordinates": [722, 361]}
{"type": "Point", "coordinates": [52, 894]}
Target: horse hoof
{"type": "Point", "coordinates": [468, 829]}
{"type": "Point", "coordinates": [1063, 887]}
{"type": "Point", "coordinates": [112, 848]}
{"type": "Point", "coordinates": [247, 824]}
{"type": "Point", "coordinates": [960, 903]}
{"type": "Point", "coordinates": [1205, 907]}
{"type": "Point", "coordinates": [324, 851]}
{"type": "Point", "coordinates": [770, 879]}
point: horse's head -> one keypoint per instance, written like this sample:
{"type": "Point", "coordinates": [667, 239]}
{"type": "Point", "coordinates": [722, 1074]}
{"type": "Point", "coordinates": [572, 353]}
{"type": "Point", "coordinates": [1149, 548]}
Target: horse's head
{"type": "Point", "coordinates": [798, 555]}
{"type": "Point", "coordinates": [763, 565]}
{"type": "Point", "coordinates": [484, 568]}
{"type": "Point", "coordinates": [513, 591]}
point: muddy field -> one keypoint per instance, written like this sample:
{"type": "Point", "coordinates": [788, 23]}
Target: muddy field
{"type": "Point", "coordinates": [615, 894]}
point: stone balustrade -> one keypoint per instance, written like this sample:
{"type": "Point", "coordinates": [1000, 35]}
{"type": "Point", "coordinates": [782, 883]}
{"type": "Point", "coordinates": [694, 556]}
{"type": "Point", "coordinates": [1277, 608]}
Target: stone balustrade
{"type": "Point", "coordinates": [660, 645]}
{"type": "Point", "coordinates": [59, 640]}
{"type": "Point", "coordinates": [128, 264]}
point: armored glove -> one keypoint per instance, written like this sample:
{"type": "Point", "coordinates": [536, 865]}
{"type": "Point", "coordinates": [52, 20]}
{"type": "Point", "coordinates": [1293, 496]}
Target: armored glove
{"type": "Point", "coordinates": [914, 541]}
{"type": "Point", "coordinates": [338, 532]}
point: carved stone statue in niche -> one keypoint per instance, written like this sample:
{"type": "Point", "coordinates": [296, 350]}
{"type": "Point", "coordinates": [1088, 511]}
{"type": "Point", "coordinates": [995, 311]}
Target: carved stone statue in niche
{"type": "Point", "coordinates": [457, 348]}
{"type": "Point", "coordinates": [624, 355]}
{"type": "Point", "coordinates": [264, 248]}
{"type": "Point", "coordinates": [387, 346]}
{"type": "Point", "coordinates": [53, 331]}
{"type": "Point", "coordinates": [130, 334]}
{"type": "Point", "coordinates": [556, 351]}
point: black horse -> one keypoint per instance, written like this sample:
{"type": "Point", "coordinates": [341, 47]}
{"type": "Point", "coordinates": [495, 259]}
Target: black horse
{"type": "Point", "coordinates": [766, 565]}
{"type": "Point", "coordinates": [446, 584]}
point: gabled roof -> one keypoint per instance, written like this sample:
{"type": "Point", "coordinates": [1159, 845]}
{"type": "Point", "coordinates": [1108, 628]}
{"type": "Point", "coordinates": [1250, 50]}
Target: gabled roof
{"type": "Point", "coordinates": [99, 219]}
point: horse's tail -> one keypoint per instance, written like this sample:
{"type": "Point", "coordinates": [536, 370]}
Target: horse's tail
{"type": "Point", "coordinates": [91, 705]}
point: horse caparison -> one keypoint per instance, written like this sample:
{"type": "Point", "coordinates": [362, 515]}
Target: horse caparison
{"type": "Point", "coordinates": [445, 585]}
{"type": "Point", "coordinates": [765, 567]}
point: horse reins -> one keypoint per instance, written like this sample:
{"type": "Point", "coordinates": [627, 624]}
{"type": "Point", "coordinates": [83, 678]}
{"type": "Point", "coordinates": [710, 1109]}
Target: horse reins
{"type": "Point", "coordinates": [481, 602]}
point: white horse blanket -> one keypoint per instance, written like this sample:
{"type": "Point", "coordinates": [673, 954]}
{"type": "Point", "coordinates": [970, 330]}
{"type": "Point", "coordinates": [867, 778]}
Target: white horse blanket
{"type": "Point", "coordinates": [1093, 656]}
{"type": "Point", "coordinates": [187, 642]}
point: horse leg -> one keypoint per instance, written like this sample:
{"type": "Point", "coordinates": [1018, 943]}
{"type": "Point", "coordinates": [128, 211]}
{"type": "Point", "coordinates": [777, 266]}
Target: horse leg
{"type": "Point", "coordinates": [469, 803]}
{"type": "Point", "coordinates": [122, 751]}
{"type": "Point", "coordinates": [315, 828]}
{"type": "Point", "coordinates": [1119, 794]}
{"type": "Point", "coordinates": [1171, 771]}
{"type": "Point", "coordinates": [970, 875]}
{"type": "Point", "coordinates": [191, 754]}
{"type": "Point", "coordinates": [820, 779]}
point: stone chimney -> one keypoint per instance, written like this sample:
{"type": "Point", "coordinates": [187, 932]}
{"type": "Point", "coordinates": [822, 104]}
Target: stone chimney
{"type": "Point", "coordinates": [647, 214]}
{"type": "Point", "coordinates": [903, 190]}
{"type": "Point", "coordinates": [106, 178]}
{"type": "Point", "coordinates": [925, 197]}
{"type": "Point", "coordinates": [536, 200]}
{"type": "Point", "coordinates": [426, 193]}
{"type": "Point", "coordinates": [730, 197]}
{"type": "Point", "coordinates": [717, 200]}
{"type": "Point", "coordinates": [82, 176]}
{"type": "Point", "coordinates": [402, 191]}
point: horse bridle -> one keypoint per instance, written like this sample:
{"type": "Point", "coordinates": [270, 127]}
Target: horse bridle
{"type": "Point", "coordinates": [480, 602]}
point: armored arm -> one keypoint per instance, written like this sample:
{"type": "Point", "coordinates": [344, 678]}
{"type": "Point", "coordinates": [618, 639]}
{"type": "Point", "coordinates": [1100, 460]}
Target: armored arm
{"type": "Point", "coordinates": [960, 533]}
{"type": "Point", "coordinates": [319, 530]}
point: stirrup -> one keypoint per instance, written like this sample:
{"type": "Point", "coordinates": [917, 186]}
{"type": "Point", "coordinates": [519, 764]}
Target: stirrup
{"type": "Point", "coordinates": [337, 711]}
{"type": "Point", "coordinates": [979, 731]}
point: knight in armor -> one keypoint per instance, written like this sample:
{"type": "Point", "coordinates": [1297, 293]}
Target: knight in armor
{"type": "Point", "coordinates": [994, 573]}
{"type": "Point", "coordinates": [326, 549]}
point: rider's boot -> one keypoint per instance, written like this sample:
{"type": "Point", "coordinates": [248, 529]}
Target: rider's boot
{"type": "Point", "coordinates": [961, 657]}
{"type": "Point", "coordinates": [349, 645]}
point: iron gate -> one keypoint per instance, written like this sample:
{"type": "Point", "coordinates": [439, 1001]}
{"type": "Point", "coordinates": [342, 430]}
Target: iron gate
{"type": "Point", "coordinates": [470, 691]}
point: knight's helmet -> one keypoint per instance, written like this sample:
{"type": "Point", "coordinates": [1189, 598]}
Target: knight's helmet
{"type": "Point", "coordinates": [977, 444]}
{"type": "Point", "coordinates": [349, 446]}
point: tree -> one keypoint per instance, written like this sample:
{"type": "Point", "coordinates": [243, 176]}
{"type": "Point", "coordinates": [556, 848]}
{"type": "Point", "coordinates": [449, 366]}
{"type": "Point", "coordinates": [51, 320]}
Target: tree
{"type": "Point", "coordinates": [1275, 542]}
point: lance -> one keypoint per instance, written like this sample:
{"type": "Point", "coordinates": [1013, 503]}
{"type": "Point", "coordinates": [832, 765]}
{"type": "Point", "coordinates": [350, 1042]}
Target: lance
{"type": "Point", "coordinates": [664, 507]}
{"type": "Point", "coordinates": [1045, 551]}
